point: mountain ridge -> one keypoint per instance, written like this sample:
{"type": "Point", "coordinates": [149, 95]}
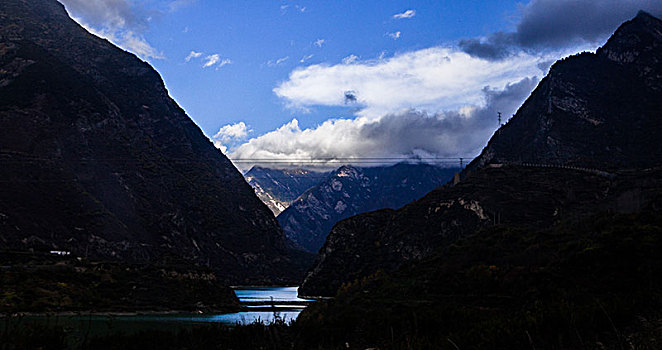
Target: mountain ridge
{"type": "Point", "coordinates": [278, 188]}
{"type": "Point", "coordinates": [116, 170]}
{"type": "Point", "coordinates": [582, 113]}
{"type": "Point", "coordinates": [529, 172]}
{"type": "Point", "coordinates": [350, 190]}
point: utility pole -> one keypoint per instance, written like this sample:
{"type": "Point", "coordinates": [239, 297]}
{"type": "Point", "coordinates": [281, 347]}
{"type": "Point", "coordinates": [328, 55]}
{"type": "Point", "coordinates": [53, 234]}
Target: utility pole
{"type": "Point", "coordinates": [499, 113]}
{"type": "Point", "coordinates": [461, 162]}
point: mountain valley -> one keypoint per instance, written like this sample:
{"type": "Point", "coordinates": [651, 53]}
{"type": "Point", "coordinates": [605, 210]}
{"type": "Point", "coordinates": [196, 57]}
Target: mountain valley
{"type": "Point", "coordinates": [114, 203]}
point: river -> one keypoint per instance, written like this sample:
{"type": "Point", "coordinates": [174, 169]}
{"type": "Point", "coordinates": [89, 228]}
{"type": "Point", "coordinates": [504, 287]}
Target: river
{"type": "Point", "coordinates": [261, 304]}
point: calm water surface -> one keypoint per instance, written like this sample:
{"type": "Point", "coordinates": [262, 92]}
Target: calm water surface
{"type": "Point", "coordinates": [262, 304]}
{"type": "Point", "coordinates": [279, 294]}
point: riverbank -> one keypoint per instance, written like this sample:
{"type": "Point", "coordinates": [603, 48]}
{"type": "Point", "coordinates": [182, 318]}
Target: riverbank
{"type": "Point", "coordinates": [257, 304]}
{"type": "Point", "coordinates": [270, 327]}
{"type": "Point", "coordinates": [93, 313]}
{"type": "Point", "coordinates": [48, 284]}
{"type": "Point", "coordinates": [277, 335]}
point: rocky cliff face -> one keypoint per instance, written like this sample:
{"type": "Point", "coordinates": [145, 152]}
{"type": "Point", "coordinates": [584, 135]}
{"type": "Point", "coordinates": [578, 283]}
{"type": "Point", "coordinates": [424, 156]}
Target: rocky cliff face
{"type": "Point", "coordinates": [98, 160]}
{"type": "Point", "coordinates": [601, 111]}
{"type": "Point", "coordinates": [352, 190]}
{"type": "Point", "coordinates": [277, 188]}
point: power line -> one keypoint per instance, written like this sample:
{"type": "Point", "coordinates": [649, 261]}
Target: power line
{"type": "Point", "coordinates": [240, 160]}
{"type": "Point", "coordinates": [19, 158]}
{"type": "Point", "coordinates": [351, 158]}
{"type": "Point", "coordinates": [84, 159]}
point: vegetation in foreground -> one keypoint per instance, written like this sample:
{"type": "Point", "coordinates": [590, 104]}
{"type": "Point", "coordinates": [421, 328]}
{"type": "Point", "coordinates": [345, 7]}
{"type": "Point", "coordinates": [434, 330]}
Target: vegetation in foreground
{"type": "Point", "coordinates": [277, 335]}
{"type": "Point", "coordinates": [590, 285]}
{"type": "Point", "coordinates": [47, 283]}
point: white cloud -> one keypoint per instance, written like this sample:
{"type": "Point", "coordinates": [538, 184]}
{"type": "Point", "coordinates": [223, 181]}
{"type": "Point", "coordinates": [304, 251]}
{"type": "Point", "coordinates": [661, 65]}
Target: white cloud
{"type": "Point", "coordinates": [434, 102]}
{"type": "Point", "coordinates": [127, 40]}
{"type": "Point", "coordinates": [223, 62]}
{"type": "Point", "coordinates": [137, 44]}
{"type": "Point", "coordinates": [407, 133]}
{"type": "Point", "coordinates": [406, 14]}
{"type": "Point", "coordinates": [108, 13]}
{"type": "Point", "coordinates": [230, 134]}
{"type": "Point", "coordinates": [211, 60]}
{"type": "Point", "coordinates": [319, 42]}
{"type": "Point", "coordinates": [305, 58]}
{"type": "Point", "coordinates": [220, 146]}
{"type": "Point", "coordinates": [394, 36]}
{"type": "Point", "coordinates": [178, 4]}
{"type": "Point", "coordinates": [193, 55]}
{"type": "Point", "coordinates": [121, 22]}
{"type": "Point", "coordinates": [277, 62]}
{"type": "Point", "coordinates": [435, 80]}
{"type": "Point", "coordinates": [232, 131]}
{"type": "Point", "coordinates": [350, 59]}
{"type": "Point", "coordinates": [208, 60]}
{"type": "Point", "coordinates": [299, 8]}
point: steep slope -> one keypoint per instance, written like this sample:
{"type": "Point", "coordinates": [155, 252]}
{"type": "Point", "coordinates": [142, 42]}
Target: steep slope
{"type": "Point", "coordinates": [577, 117]}
{"type": "Point", "coordinates": [98, 160]}
{"type": "Point", "coordinates": [599, 110]}
{"type": "Point", "coordinates": [277, 188]}
{"type": "Point", "coordinates": [511, 195]}
{"type": "Point", "coordinates": [352, 190]}
{"type": "Point", "coordinates": [591, 284]}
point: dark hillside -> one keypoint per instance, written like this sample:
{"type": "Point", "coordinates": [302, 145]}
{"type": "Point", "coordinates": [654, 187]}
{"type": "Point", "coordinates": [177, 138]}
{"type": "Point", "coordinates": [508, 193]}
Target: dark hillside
{"type": "Point", "coordinates": [96, 159]}
{"type": "Point", "coordinates": [592, 113]}
{"type": "Point", "coordinates": [601, 110]}
{"type": "Point", "coordinates": [592, 284]}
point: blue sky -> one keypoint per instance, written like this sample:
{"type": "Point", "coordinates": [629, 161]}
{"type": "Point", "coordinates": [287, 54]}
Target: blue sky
{"type": "Point", "coordinates": [255, 35]}
{"type": "Point", "coordinates": [352, 78]}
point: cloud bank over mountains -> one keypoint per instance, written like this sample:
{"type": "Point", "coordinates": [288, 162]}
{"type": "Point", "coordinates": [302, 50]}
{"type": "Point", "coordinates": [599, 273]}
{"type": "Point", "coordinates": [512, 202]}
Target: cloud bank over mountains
{"type": "Point", "coordinates": [439, 101]}
{"type": "Point", "coordinates": [435, 101]}
{"type": "Point", "coordinates": [230, 134]}
{"type": "Point", "coordinates": [433, 79]}
{"type": "Point", "coordinates": [408, 133]}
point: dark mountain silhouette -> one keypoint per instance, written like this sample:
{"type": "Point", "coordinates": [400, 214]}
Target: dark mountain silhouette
{"type": "Point", "coordinates": [550, 240]}
{"type": "Point", "coordinates": [97, 160]}
{"type": "Point", "coordinates": [597, 110]}
{"type": "Point", "coordinates": [353, 190]}
{"type": "Point", "coordinates": [580, 284]}
{"type": "Point", "coordinates": [593, 112]}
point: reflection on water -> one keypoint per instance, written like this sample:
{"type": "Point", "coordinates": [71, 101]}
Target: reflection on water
{"type": "Point", "coordinates": [267, 304]}
{"type": "Point", "coordinates": [262, 304]}
{"type": "Point", "coordinates": [279, 294]}
{"type": "Point", "coordinates": [241, 317]}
